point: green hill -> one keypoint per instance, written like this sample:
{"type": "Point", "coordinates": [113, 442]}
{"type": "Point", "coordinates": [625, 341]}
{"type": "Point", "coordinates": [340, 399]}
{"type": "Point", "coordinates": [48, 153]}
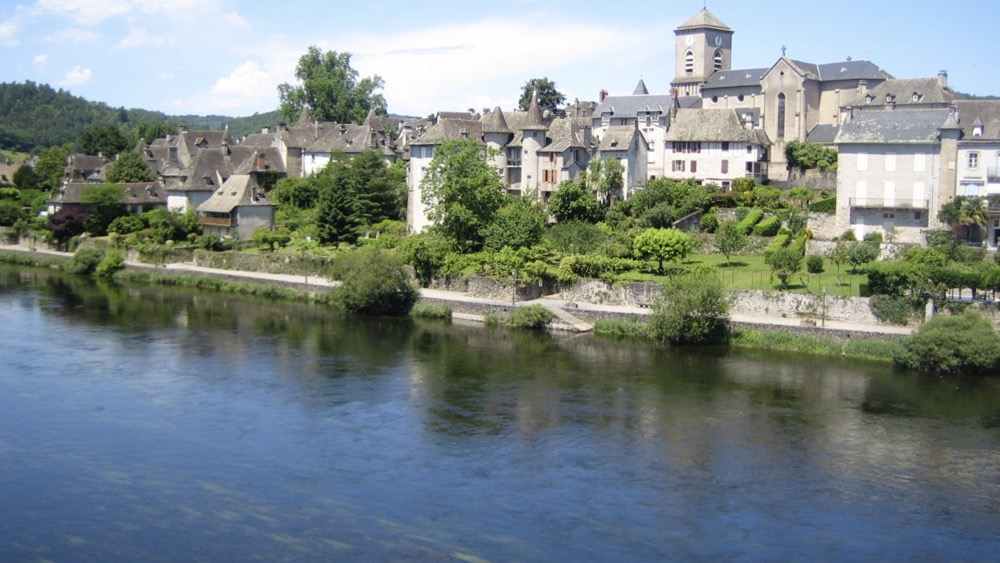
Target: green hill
{"type": "Point", "coordinates": [34, 116]}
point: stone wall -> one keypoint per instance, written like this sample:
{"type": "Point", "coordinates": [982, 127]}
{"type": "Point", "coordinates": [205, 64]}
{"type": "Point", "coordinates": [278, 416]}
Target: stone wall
{"type": "Point", "coordinates": [812, 179]}
{"type": "Point", "coordinates": [823, 225]}
{"type": "Point", "coordinates": [792, 305]}
{"type": "Point", "coordinates": [485, 287]}
{"type": "Point", "coordinates": [887, 251]}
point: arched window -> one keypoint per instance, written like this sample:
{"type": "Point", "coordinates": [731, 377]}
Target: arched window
{"type": "Point", "coordinates": [718, 59]}
{"type": "Point", "coordinates": [781, 116]}
{"type": "Point", "coordinates": [689, 62]}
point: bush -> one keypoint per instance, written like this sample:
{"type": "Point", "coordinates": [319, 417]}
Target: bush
{"type": "Point", "coordinates": [768, 227]}
{"type": "Point", "coordinates": [423, 311]}
{"type": "Point", "coordinates": [814, 264]}
{"type": "Point", "coordinates": [947, 344]}
{"type": "Point", "coordinates": [693, 308]}
{"type": "Point", "coordinates": [896, 309]}
{"type": "Point", "coordinates": [861, 253]}
{"type": "Point", "coordinates": [828, 205]}
{"type": "Point", "coordinates": [127, 224]}
{"type": "Point", "coordinates": [594, 266]}
{"type": "Point", "coordinates": [709, 222]}
{"type": "Point", "coordinates": [373, 282]}
{"type": "Point", "coordinates": [848, 236]}
{"type": "Point", "coordinates": [85, 261]}
{"type": "Point", "coordinates": [531, 316]}
{"type": "Point", "coordinates": [112, 262]}
{"type": "Point", "coordinates": [752, 218]}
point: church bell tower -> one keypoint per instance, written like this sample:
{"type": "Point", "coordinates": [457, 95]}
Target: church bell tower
{"type": "Point", "coordinates": [703, 46]}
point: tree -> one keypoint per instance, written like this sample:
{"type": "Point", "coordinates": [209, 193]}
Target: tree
{"type": "Point", "coordinates": [693, 308]}
{"type": "Point", "coordinates": [663, 245]}
{"type": "Point", "coordinates": [269, 240]}
{"type": "Point", "coordinates": [50, 166]}
{"type": "Point", "coordinates": [730, 238]}
{"type": "Point", "coordinates": [518, 224]}
{"type": "Point", "coordinates": [860, 253]}
{"type": "Point", "coordinates": [377, 187]}
{"type": "Point", "coordinates": [66, 224]}
{"type": "Point", "coordinates": [25, 178]}
{"type": "Point", "coordinates": [129, 167]}
{"type": "Point", "coordinates": [965, 211]}
{"type": "Point", "coordinates": [572, 202]}
{"type": "Point", "coordinates": [104, 205]}
{"type": "Point", "coordinates": [463, 192]}
{"type": "Point", "coordinates": [841, 254]}
{"type": "Point", "coordinates": [576, 237]}
{"type": "Point", "coordinates": [784, 262]}
{"type": "Point", "coordinates": [801, 196]}
{"type": "Point", "coordinates": [108, 140]}
{"type": "Point", "coordinates": [338, 220]}
{"type": "Point", "coordinates": [606, 178]}
{"type": "Point", "coordinates": [549, 98]}
{"type": "Point", "coordinates": [426, 252]}
{"type": "Point", "coordinates": [10, 213]}
{"type": "Point", "coordinates": [330, 88]}
{"type": "Point", "coordinates": [953, 344]}
{"type": "Point", "coordinates": [373, 282]}
{"type": "Point", "coordinates": [805, 156]}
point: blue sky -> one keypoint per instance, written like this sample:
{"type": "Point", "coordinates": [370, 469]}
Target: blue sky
{"type": "Point", "coordinates": [228, 56]}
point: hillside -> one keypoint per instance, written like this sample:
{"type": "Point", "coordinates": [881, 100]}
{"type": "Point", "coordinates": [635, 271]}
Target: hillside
{"type": "Point", "coordinates": [34, 116]}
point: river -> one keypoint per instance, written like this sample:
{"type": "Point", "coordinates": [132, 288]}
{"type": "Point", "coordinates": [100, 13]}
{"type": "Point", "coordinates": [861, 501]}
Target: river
{"type": "Point", "coordinates": [160, 424]}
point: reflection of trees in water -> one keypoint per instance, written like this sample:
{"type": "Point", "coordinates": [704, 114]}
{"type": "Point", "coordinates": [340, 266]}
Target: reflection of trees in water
{"type": "Point", "coordinates": [912, 395]}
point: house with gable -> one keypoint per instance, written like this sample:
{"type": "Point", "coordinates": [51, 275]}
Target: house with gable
{"type": "Point", "coordinates": [627, 145]}
{"type": "Point", "coordinates": [716, 146]}
{"type": "Point", "coordinates": [978, 159]}
{"type": "Point", "coordinates": [566, 155]}
{"type": "Point", "coordinates": [236, 209]}
{"type": "Point", "coordinates": [895, 171]}
{"type": "Point", "coordinates": [422, 151]}
{"type": "Point", "coordinates": [649, 113]}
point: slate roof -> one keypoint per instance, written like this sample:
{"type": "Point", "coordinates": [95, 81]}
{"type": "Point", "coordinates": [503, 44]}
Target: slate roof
{"type": "Point", "coordinates": [735, 78]}
{"type": "Point", "coordinates": [347, 138]}
{"type": "Point", "coordinates": [851, 70]}
{"type": "Point", "coordinates": [640, 89]}
{"type": "Point", "coordinates": [895, 127]}
{"type": "Point", "coordinates": [618, 138]}
{"type": "Point", "coordinates": [902, 90]}
{"type": "Point", "coordinates": [983, 112]}
{"type": "Point", "coordinates": [208, 169]}
{"type": "Point", "coordinates": [566, 133]}
{"type": "Point", "coordinates": [137, 193]}
{"type": "Point", "coordinates": [450, 130]}
{"type": "Point", "coordinates": [704, 19]}
{"type": "Point", "coordinates": [243, 160]}
{"type": "Point", "coordinates": [631, 106]}
{"type": "Point", "coordinates": [239, 190]}
{"type": "Point", "coordinates": [494, 122]}
{"type": "Point", "coordinates": [823, 133]}
{"type": "Point", "coordinates": [707, 125]}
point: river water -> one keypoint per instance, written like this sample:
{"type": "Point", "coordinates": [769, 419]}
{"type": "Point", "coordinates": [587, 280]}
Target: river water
{"type": "Point", "coordinates": [156, 424]}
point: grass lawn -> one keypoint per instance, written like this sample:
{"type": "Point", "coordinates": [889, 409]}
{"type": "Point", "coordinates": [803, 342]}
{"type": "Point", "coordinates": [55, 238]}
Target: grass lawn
{"type": "Point", "coordinates": [750, 272]}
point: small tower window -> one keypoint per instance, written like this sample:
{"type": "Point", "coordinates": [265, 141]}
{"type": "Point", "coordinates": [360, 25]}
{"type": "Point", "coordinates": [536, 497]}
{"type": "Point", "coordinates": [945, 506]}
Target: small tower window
{"type": "Point", "coordinates": [718, 59]}
{"type": "Point", "coordinates": [689, 62]}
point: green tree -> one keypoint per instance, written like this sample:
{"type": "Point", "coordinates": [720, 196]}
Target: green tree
{"type": "Point", "coordinates": [572, 202]}
{"type": "Point", "coordinates": [426, 252]}
{"type": "Point", "coordinates": [129, 167]}
{"type": "Point", "coordinates": [966, 215]}
{"type": "Point", "coordinates": [518, 224]}
{"type": "Point", "coordinates": [373, 282]}
{"type": "Point", "coordinates": [785, 262]}
{"type": "Point", "coordinates": [10, 213]}
{"type": "Point", "coordinates": [730, 238]}
{"type": "Point", "coordinates": [860, 253]}
{"type": "Point", "coordinates": [51, 165]}
{"type": "Point", "coordinates": [606, 179]}
{"type": "Point", "coordinates": [801, 196]}
{"type": "Point", "coordinates": [663, 245]}
{"type": "Point", "coordinates": [330, 88]}
{"type": "Point", "coordinates": [270, 240]}
{"type": "Point", "coordinates": [66, 224]}
{"type": "Point", "coordinates": [338, 219]}
{"type": "Point", "coordinates": [108, 140]}
{"type": "Point", "coordinates": [25, 178]}
{"type": "Point", "coordinates": [377, 187]}
{"type": "Point", "coordinates": [963, 344]}
{"type": "Point", "coordinates": [576, 237]}
{"type": "Point", "coordinates": [104, 205]}
{"type": "Point", "coordinates": [841, 254]}
{"type": "Point", "coordinates": [548, 96]}
{"type": "Point", "coordinates": [463, 192]}
{"type": "Point", "coordinates": [693, 308]}
{"type": "Point", "coordinates": [805, 156]}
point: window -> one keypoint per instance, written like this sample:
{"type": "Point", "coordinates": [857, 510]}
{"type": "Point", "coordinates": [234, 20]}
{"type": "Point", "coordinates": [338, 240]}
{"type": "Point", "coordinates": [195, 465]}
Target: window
{"type": "Point", "coordinates": [977, 130]}
{"type": "Point", "coordinates": [890, 162]}
{"type": "Point", "coordinates": [552, 157]}
{"type": "Point", "coordinates": [686, 147]}
{"type": "Point", "coordinates": [916, 96]}
{"type": "Point", "coordinates": [917, 216]}
{"type": "Point", "coordinates": [749, 149]}
{"type": "Point", "coordinates": [973, 160]}
{"type": "Point", "coordinates": [694, 166]}
{"type": "Point", "coordinates": [869, 99]}
{"type": "Point", "coordinates": [678, 166]}
{"type": "Point", "coordinates": [726, 185]}
{"type": "Point", "coordinates": [740, 97]}
{"type": "Point", "coordinates": [918, 163]}
{"type": "Point", "coordinates": [781, 116]}
{"type": "Point", "coordinates": [725, 166]}
{"type": "Point", "coordinates": [862, 162]}
{"type": "Point", "coordinates": [889, 98]}
{"type": "Point", "coordinates": [689, 62]}
{"type": "Point", "coordinates": [718, 59]}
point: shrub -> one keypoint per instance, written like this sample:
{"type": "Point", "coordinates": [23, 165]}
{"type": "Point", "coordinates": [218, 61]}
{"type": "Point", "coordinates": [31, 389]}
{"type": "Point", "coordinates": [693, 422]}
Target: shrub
{"type": "Point", "coordinates": [873, 237]}
{"type": "Point", "coordinates": [374, 282]}
{"type": "Point", "coordinates": [779, 242]}
{"type": "Point", "coordinates": [709, 222]}
{"type": "Point", "coordinates": [593, 266]}
{"type": "Point", "coordinates": [861, 253]}
{"type": "Point", "coordinates": [530, 316]}
{"type": "Point", "coordinates": [848, 236]}
{"type": "Point", "coordinates": [814, 264]}
{"type": "Point", "coordinates": [893, 278]}
{"type": "Point", "coordinates": [768, 227]}
{"type": "Point", "coordinates": [828, 205]}
{"type": "Point", "coordinates": [693, 308]}
{"type": "Point", "coordinates": [112, 262]}
{"type": "Point", "coordinates": [784, 263]}
{"type": "Point", "coordinates": [895, 309]}
{"type": "Point", "coordinates": [622, 327]}
{"type": "Point", "coordinates": [742, 212]}
{"type": "Point", "coordinates": [424, 311]}
{"type": "Point", "coordinates": [127, 224]}
{"type": "Point", "coordinates": [752, 218]}
{"type": "Point", "coordinates": [947, 344]}
{"type": "Point", "coordinates": [85, 261]}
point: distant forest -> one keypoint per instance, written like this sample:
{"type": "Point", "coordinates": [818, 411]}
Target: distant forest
{"type": "Point", "coordinates": [36, 116]}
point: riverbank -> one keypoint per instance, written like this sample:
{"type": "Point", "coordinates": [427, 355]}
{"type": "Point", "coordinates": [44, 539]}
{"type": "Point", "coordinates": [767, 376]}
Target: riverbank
{"type": "Point", "coordinates": [569, 316]}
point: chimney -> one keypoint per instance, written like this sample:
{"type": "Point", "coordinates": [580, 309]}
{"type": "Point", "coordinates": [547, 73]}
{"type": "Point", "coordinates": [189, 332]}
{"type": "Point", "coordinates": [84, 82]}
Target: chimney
{"type": "Point", "coordinates": [282, 127]}
{"type": "Point", "coordinates": [264, 130]}
{"type": "Point", "coordinates": [183, 128]}
{"type": "Point", "coordinates": [602, 95]}
{"type": "Point", "coordinates": [942, 78]}
{"type": "Point", "coordinates": [173, 155]}
{"type": "Point", "coordinates": [261, 162]}
{"type": "Point", "coordinates": [862, 87]}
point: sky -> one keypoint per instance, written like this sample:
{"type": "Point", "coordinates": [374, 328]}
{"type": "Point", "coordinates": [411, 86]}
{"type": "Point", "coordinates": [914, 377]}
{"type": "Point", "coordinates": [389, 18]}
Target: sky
{"type": "Point", "coordinates": [227, 57]}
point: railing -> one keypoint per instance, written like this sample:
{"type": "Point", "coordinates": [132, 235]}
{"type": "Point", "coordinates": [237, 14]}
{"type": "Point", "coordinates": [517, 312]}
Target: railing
{"type": "Point", "coordinates": [883, 203]}
{"type": "Point", "coordinates": [215, 221]}
{"type": "Point", "coordinates": [993, 175]}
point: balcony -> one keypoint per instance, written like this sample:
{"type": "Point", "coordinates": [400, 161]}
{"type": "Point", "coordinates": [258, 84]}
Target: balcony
{"type": "Point", "coordinates": [883, 203]}
{"type": "Point", "coordinates": [215, 221]}
{"type": "Point", "coordinates": [993, 175]}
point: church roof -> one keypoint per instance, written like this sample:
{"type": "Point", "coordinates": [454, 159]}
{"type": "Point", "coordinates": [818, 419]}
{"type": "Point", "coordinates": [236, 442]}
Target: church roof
{"type": "Point", "coordinates": [903, 90]}
{"type": "Point", "coordinates": [630, 106]}
{"type": "Point", "coordinates": [704, 19]}
{"type": "Point", "coordinates": [735, 78]}
{"type": "Point", "coordinates": [640, 89]}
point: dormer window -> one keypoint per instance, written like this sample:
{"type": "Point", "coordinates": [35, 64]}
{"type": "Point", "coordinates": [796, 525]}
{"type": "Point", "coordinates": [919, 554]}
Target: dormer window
{"type": "Point", "coordinates": [869, 99]}
{"type": "Point", "coordinates": [977, 130]}
{"type": "Point", "coordinates": [916, 96]}
{"type": "Point", "coordinates": [889, 98]}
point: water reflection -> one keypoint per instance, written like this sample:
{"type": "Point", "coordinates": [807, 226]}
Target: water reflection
{"type": "Point", "coordinates": [190, 425]}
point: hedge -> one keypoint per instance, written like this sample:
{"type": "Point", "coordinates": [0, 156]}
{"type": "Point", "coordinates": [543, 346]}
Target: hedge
{"type": "Point", "coordinates": [768, 227]}
{"type": "Point", "coordinates": [828, 205]}
{"type": "Point", "coordinates": [752, 218]}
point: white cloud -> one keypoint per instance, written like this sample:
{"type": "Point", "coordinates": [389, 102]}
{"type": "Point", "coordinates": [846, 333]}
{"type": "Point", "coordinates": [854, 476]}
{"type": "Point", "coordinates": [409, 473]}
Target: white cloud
{"type": "Point", "coordinates": [86, 12]}
{"type": "Point", "coordinates": [70, 36]}
{"type": "Point", "coordinates": [41, 61]}
{"type": "Point", "coordinates": [245, 90]}
{"type": "Point", "coordinates": [76, 76]}
{"type": "Point", "coordinates": [138, 37]}
{"type": "Point", "coordinates": [8, 34]}
{"type": "Point", "coordinates": [236, 20]}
